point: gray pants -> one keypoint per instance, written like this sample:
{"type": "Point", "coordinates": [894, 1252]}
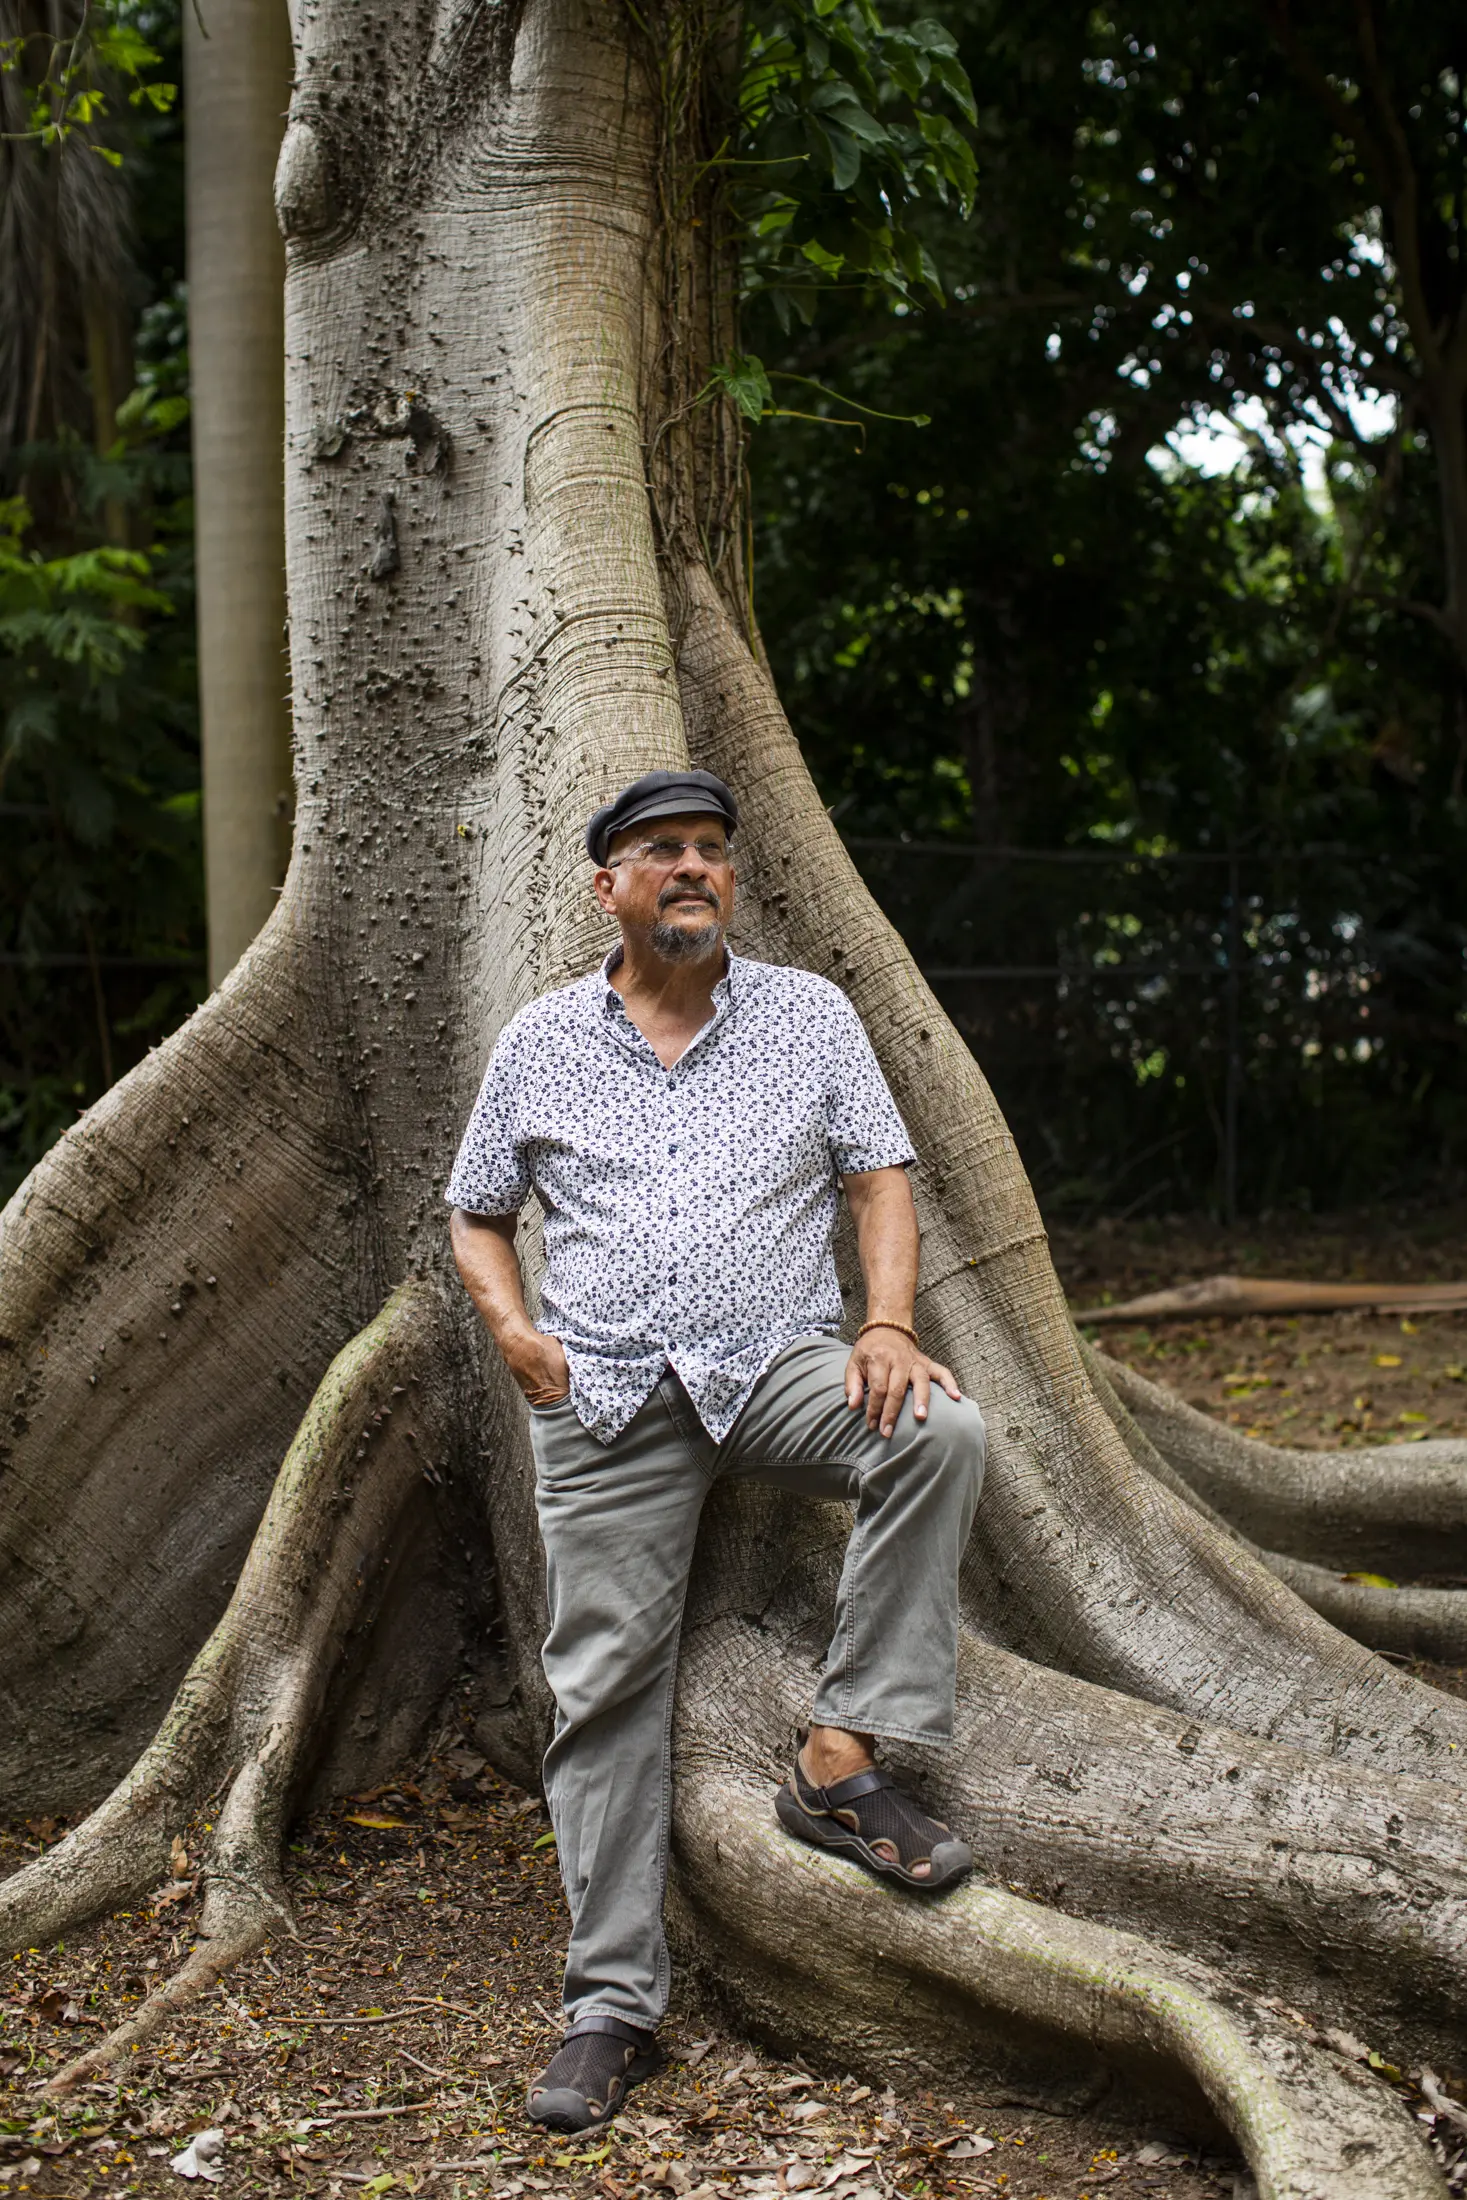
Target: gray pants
{"type": "Point", "coordinates": [619, 1523]}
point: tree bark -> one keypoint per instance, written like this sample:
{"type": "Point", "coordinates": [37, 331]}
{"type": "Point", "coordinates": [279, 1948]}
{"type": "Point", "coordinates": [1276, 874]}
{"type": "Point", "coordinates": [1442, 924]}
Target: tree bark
{"type": "Point", "coordinates": [237, 65]}
{"type": "Point", "coordinates": [516, 582]}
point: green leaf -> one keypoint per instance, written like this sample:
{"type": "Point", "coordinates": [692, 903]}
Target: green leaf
{"type": "Point", "coordinates": [953, 78]}
{"type": "Point", "coordinates": [853, 117]}
{"type": "Point", "coordinates": [745, 381]}
{"type": "Point", "coordinates": [909, 70]}
{"type": "Point", "coordinates": [933, 37]}
{"type": "Point", "coordinates": [166, 413]}
{"type": "Point", "coordinates": [844, 153]}
{"type": "Point", "coordinates": [546, 1841]}
{"type": "Point", "coordinates": [120, 45]}
{"type": "Point", "coordinates": [133, 410]}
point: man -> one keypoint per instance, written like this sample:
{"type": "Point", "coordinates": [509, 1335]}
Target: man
{"type": "Point", "coordinates": [686, 1118]}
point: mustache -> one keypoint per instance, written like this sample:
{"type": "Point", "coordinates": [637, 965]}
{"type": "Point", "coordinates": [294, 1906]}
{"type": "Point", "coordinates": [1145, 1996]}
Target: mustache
{"type": "Point", "coordinates": [686, 892]}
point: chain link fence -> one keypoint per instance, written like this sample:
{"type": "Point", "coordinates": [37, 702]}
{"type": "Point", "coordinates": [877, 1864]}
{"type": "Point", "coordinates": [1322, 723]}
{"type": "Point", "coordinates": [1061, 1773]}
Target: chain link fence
{"type": "Point", "coordinates": [1241, 1029]}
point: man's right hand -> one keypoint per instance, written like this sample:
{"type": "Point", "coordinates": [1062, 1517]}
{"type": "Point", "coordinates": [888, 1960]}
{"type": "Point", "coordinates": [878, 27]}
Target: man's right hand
{"type": "Point", "coordinates": [538, 1364]}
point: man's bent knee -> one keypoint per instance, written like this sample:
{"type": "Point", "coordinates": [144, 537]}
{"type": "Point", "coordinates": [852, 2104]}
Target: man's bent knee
{"type": "Point", "coordinates": [954, 1439]}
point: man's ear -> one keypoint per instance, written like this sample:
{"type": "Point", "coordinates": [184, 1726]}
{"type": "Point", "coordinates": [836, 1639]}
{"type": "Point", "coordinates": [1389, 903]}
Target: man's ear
{"type": "Point", "coordinates": [604, 886]}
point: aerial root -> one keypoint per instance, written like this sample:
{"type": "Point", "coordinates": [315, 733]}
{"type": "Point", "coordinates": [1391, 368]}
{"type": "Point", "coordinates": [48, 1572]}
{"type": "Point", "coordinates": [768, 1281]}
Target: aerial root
{"type": "Point", "coordinates": [244, 1901]}
{"type": "Point", "coordinates": [249, 1706]}
{"type": "Point", "coordinates": [1407, 1622]}
{"type": "Point", "coordinates": [1399, 1509]}
{"type": "Point", "coordinates": [1312, 2124]}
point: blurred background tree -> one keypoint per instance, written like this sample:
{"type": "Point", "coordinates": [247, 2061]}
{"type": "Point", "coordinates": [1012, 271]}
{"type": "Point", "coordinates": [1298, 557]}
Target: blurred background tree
{"type": "Point", "coordinates": [1135, 679]}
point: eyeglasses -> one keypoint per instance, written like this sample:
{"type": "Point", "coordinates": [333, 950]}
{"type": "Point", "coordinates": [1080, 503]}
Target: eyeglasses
{"type": "Point", "coordinates": [661, 855]}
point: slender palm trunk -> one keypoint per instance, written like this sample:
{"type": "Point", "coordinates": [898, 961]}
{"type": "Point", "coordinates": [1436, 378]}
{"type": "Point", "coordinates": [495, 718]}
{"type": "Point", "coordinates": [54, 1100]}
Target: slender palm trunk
{"type": "Point", "coordinates": [238, 68]}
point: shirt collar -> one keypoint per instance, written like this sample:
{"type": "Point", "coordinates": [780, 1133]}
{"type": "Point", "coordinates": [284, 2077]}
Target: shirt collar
{"type": "Point", "coordinates": [731, 986]}
{"type": "Point", "coordinates": [730, 989]}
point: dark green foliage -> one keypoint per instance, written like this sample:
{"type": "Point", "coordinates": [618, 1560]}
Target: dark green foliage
{"type": "Point", "coordinates": [77, 72]}
{"type": "Point", "coordinates": [843, 137]}
{"type": "Point", "coordinates": [101, 918]}
{"type": "Point", "coordinates": [1014, 628]}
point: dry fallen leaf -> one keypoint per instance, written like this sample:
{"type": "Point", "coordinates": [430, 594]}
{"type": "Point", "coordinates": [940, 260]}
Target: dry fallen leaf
{"type": "Point", "coordinates": [370, 1818]}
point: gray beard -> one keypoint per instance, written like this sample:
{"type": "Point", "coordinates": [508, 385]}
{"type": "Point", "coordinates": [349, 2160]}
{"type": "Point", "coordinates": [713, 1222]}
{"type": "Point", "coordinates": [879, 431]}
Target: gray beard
{"type": "Point", "coordinates": [675, 945]}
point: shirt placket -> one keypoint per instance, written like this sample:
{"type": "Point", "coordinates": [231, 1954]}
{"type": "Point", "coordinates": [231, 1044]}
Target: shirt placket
{"type": "Point", "coordinates": [675, 1087]}
{"type": "Point", "coordinates": [678, 1216]}
{"type": "Point", "coordinates": [679, 1084]}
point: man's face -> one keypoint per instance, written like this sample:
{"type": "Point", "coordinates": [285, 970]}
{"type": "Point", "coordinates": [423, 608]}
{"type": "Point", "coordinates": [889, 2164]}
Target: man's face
{"type": "Point", "coordinates": [670, 882]}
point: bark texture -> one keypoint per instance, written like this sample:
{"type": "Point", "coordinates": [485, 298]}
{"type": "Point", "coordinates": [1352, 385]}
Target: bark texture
{"type": "Point", "coordinates": [516, 582]}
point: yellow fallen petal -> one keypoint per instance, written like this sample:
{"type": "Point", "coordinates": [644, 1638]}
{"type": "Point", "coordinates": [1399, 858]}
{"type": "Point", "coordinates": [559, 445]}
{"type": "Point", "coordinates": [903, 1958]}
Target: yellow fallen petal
{"type": "Point", "coordinates": [365, 1818]}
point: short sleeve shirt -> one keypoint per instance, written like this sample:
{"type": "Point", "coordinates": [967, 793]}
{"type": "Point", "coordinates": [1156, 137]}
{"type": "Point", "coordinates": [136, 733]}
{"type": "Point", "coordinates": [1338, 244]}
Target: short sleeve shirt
{"type": "Point", "coordinates": [689, 1212]}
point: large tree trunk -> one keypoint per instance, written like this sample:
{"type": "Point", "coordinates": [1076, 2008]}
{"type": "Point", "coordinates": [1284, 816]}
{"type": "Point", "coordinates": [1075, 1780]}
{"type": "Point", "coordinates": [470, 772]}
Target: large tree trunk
{"type": "Point", "coordinates": [516, 582]}
{"type": "Point", "coordinates": [238, 67]}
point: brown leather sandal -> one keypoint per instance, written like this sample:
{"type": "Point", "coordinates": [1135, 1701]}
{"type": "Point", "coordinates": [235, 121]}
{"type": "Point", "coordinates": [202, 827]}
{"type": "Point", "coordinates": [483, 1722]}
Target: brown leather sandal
{"type": "Point", "coordinates": [851, 1816]}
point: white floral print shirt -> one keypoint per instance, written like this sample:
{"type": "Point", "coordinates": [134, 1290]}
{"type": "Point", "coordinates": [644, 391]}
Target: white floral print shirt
{"type": "Point", "coordinates": [688, 1211]}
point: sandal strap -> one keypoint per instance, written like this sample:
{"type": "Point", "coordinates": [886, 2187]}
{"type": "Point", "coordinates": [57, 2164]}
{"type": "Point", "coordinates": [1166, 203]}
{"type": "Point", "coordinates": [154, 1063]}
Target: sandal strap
{"type": "Point", "coordinates": [859, 1783]}
{"type": "Point", "coordinates": [636, 2035]}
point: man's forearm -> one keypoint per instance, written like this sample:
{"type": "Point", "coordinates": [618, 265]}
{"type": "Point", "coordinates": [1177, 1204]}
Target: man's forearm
{"type": "Point", "coordinates": [888, 1242]}
{"type": "Point", "coordinates": [483, 1246]}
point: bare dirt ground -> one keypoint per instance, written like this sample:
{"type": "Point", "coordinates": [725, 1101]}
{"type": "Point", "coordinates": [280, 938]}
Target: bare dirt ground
{"type": "Point", "coordinates": [388, 2047]}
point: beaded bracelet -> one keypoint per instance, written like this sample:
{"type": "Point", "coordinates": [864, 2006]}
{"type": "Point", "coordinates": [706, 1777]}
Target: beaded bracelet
{"type": "Point", "coordinates": [905, 1330]}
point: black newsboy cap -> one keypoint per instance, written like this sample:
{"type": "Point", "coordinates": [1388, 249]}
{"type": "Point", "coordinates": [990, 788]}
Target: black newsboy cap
{"type": "Point", "coordinates": [660, 794]}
